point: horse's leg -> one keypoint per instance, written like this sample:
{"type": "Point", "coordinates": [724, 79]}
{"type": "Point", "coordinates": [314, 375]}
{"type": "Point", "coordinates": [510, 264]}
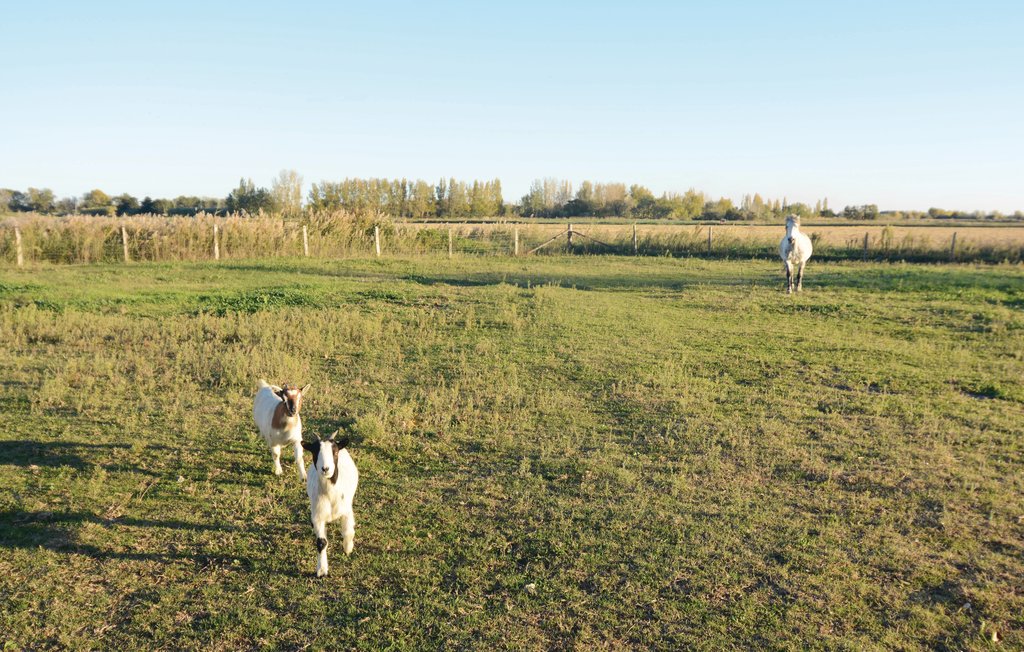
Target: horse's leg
{"type": "Point", "coordinates": [800, 276]}
{"type": "Point", "coordinates": [789, 276]}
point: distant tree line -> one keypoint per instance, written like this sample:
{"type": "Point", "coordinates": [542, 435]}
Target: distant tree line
{"type": "Point", "coordinates": [97, 202]}
{"type": "Point", "coordinates": [283, 197]}
{"type": "Point", "coordinates": [455, 199]}
{"type": "Point", "coordinates": [555, 198]}
{"type": "Point", "coordinates": [448, 199]}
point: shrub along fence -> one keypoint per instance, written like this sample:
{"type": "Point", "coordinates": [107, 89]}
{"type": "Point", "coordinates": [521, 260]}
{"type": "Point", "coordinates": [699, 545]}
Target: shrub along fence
{"type": "Point", "coordinates": [85, 239]}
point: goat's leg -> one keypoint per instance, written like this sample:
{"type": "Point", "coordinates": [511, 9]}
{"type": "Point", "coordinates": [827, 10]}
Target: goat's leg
{"type": "Point", "coordinates": [300, 461]}
{"type": "Point", "coordinates": [275, 452]}
{"type": "Point", "coordinates": [320, 529]}
{"type": "Point", "coordinates": [800, 277]}
{"type": "Point", "coordinates": [348, 525]}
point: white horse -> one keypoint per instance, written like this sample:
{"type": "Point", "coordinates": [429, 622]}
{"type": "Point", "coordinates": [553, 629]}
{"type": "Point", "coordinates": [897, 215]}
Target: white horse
{"type": "Point", "coordinates": [795, 250]}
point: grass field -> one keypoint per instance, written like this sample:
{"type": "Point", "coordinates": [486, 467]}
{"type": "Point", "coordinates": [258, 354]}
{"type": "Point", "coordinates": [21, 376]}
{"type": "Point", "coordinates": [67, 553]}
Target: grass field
{"type": "Point", "coordinates": [555, 453]}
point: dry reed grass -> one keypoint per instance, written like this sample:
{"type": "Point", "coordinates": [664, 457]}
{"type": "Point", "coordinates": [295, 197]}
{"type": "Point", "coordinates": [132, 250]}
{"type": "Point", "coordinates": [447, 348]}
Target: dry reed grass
{"type": "Point", "coordinates": [88, 239]}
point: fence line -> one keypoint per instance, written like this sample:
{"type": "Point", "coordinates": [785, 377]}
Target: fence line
{"type": "Point", "coordinates": [20, 251]}
{"type": "Point", "coordinates": [85, 240]}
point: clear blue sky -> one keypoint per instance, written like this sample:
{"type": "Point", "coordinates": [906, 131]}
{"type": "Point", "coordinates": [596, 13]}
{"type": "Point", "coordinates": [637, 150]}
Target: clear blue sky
{"type": "Point", "coordinates": [904, 104]}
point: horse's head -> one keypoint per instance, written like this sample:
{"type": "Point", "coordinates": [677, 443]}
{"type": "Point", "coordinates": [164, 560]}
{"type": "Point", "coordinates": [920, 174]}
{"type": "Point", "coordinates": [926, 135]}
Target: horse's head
{"type": "Point", "coordinates": [792, 224]}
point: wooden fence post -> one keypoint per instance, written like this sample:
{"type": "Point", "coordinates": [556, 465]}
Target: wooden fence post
{"type": "Point", "coordinates": [569, 234]}
{"type": "Point", "coordinates": [952, 248]}
{"type": "Point", "coordinates": [710, 229]}
{"type": "Point", "coordinates": [17, 245]}
{"type": "Point", "coordinates": [124, 242]}
{"type": "Point", "coordinates": [515, 241]}
{"type": "Point", "coordinates": [376, 239]}
{"type": "Point", "coordinates": [450, 242]}
{"type": "Point", "coordinates": [636, 249]}
{"type": "Point", "coordinates": [216, 243]}
{"type": "Point", "coordinates": [305, 241]}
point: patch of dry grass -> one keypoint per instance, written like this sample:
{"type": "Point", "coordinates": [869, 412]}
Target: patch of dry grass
{"type": "Point", "coordinates": [343, 235]}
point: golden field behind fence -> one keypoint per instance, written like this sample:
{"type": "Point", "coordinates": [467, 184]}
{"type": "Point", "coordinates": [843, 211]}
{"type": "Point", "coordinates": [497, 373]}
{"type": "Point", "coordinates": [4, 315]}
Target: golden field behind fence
{"type": "Point", "coordinates": [84, 239]}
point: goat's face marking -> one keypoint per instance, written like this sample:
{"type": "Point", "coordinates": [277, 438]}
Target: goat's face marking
{"type": "Point", "coordinates": [291, 398]}
{"type": "Point", "coordinates": [325, 456]}
{"type": "Point", "coordinates": [327, 459]}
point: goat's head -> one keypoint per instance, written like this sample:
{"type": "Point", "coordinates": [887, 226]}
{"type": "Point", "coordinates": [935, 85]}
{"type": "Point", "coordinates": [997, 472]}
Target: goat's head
{"type": "Point", "coordinates": [291, 396]}
{"type": "Point", "coordinates": [325, 455]}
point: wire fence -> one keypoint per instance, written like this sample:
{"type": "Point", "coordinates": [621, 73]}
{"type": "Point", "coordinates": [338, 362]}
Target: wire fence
{"type": "Point", "coordinates": [86, 239]}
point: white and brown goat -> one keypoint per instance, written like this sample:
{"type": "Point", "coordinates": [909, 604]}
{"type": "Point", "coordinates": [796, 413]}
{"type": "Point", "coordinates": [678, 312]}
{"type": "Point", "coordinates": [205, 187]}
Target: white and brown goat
{"type": "Point", "coordinates": [276, 412]}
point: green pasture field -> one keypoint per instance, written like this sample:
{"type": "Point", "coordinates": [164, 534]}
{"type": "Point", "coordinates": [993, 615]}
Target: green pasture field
{"type": "Point", "coordinates": [567, 452]}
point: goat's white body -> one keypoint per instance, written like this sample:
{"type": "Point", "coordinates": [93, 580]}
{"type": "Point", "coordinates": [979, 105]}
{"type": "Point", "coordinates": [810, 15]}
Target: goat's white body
{"type": "Point", "coordinates": [263, 407]}
{"type": "Point", "coordinates": [795, 250]}
{"type": "Point", "coordinates": [332, 501]}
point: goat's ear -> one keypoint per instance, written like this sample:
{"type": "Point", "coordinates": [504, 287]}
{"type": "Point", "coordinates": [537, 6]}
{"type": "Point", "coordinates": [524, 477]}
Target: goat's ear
{"type": "Point", "coordinates": [303, 390]}
{"type": "Point", "coordinates": [311, 446]}
{"type": "Point", "coordinates": [343, 443]}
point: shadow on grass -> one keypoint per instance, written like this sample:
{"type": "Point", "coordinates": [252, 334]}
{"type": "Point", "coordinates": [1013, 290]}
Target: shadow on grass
{"type": "Point", "coordinates": [587, 282]}
{"type": "Point", "coordinates": [888, 277]}
{"type": "Point", "coordinates": [57, 532]}
{"type": "Point", "coordinates": [344, 423]}
{"type": "Point", "coordinates": [37, 522]}
{"type": "Point", "coordinates": [894, 278]}
{"type": "Point", "coordinates": [941, 278]}
{"type": "Point", "coordinates": [576, 278]}
{"type": "Point", "coordinates": [23, 452]}
{"type": "Point", "coordinates": [289, 268]}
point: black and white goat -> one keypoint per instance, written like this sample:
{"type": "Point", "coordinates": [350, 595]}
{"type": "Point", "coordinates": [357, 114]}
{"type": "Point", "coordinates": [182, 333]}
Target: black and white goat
{"type": "Point", "coordinates": [332, 482]}
{"type": "Point", "coordinates": [276, 412]}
